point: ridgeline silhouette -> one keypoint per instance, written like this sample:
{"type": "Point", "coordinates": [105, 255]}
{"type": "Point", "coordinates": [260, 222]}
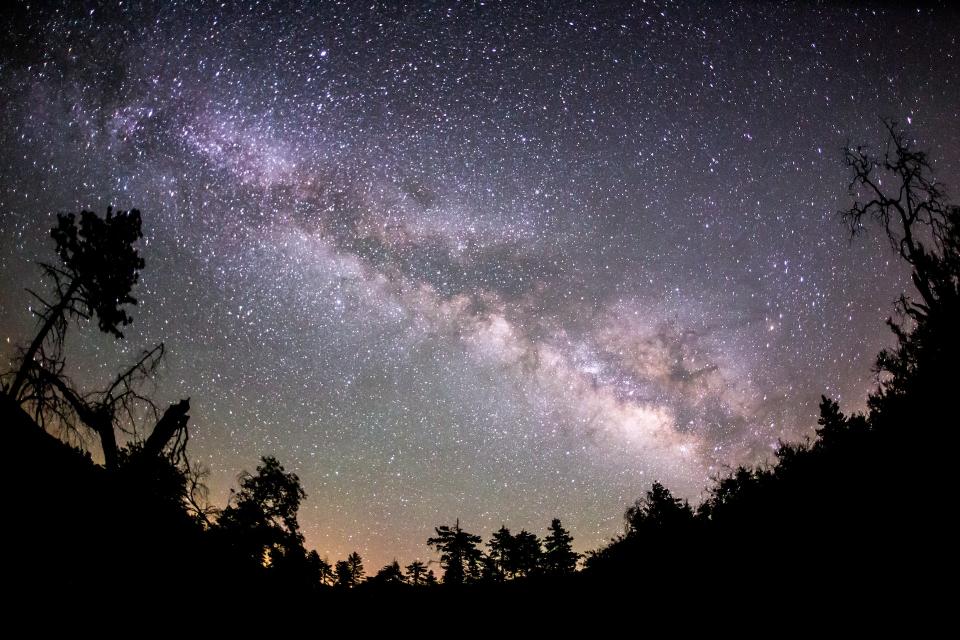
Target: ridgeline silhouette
{"type": "Point", "coordinates": [854, 505]}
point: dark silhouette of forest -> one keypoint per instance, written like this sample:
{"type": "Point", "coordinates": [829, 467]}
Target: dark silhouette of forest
{"type": "Point", "coordinates": [103, 499]}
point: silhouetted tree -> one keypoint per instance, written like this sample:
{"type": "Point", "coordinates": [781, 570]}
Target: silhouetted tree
{"type": "Point", "coordinates": [350, 571]}
{"type": "Point", "coordinates": [526, 555]}
{"type": "Point", "coordinates": [299, 569]}
{"type": "Point", "coordinates": [659, 509]}
{"type": "Point", "coordinates": [295, 568]}
{"type": "Point", "coordinates": [559, 558]}
{"type": "Point", "coordinates": [98, 267]}
{"type": "Point", "coordinates": [356, 566]}
{"type": "Point", "coordinates": [260, 523]}
{"type": "Point", "coordinates": [658, 521]}
{"type": "Point", "coordinates": [344, 577]}
{"type": "Point", "coordinates": [836, 429]}
{"type": "Point", "coordinates": [390, 574]}
{"type": "Point", "coordinates": [897, 191]}
{"type": "Point", "coordinates": [831, 420]}
{"type": "Point", "coordinates": [498, 561]}
{"type": "Point", "coordinates": [459, 555]}
{"type": "Point", "coordinates": [416, 573]}
{"type": "Point", "coordinates": [489, 572]}
{"type": "Point", "coordinates": [325, 573]}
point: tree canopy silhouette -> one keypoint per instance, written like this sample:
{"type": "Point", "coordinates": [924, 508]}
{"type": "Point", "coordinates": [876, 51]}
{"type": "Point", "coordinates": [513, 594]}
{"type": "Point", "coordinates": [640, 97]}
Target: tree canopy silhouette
{"type": "Point", "coordinates": [559, 558]}
{"type": "Point", "coordinates": [349, 572]}
{"type": "Point", "coordinates": [498, 562]}
{"type": "Point", "coordinates": [390, 575]}
{"type": "Point", "coordinates": [416, 573]}
{"type": "Point", "coordinates": [459, 555]}
{"type": "Point", "coordinates": [98, 267]}
{"type": "Point", "coordinates": [658, 509]}
{"type": "Point", "coordinates": [526, 554]}
{"type": "Point", "coordinates": [260, 523]}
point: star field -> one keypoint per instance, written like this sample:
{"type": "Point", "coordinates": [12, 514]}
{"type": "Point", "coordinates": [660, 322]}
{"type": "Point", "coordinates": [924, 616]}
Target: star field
{"type": "Point", "coordinates": [496, 261]}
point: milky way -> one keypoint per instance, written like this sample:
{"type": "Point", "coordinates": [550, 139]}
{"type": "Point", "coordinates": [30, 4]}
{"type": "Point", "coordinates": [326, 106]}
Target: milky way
{"type": "Point", "coordinates": [501, 262]}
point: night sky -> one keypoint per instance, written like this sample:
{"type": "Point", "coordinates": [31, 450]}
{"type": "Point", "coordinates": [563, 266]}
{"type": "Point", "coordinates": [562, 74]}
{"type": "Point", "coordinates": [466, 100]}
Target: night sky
{"type": "Point", "coordinates": [496, 261]}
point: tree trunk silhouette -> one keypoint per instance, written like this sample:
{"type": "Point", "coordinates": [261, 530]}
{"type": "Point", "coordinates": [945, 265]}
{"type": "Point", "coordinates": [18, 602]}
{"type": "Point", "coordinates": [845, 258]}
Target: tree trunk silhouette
{"type": "Point", "coordinates": [174, 420]}
{"type": "Point", "coordinates": [54, 314]}
{"type": "Point", "coordinates": [98, 419]}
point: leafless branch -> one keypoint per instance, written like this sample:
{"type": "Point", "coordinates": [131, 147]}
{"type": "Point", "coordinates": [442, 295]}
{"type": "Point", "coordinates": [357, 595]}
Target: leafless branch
{"type": "Point", "coordinates": [124, 398]}
{"type": "Point", "coordinates": [910, 207]}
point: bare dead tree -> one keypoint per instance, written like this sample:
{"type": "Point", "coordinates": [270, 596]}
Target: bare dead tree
{"type": "Point", "coordinates": [198, 494]}
{"type": "Point", "coordinates": [122, 408]}
{"type": "Point", "coordinates": [897, 190]}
